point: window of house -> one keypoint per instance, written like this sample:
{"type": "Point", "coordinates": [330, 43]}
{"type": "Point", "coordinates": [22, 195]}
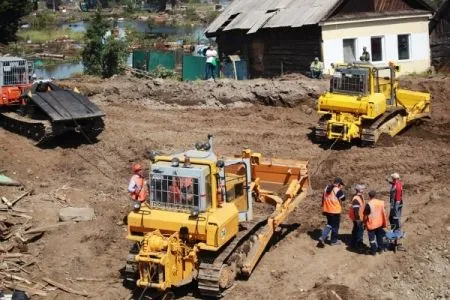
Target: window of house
{"type": "Point", "coordinates": [403, 46]}
{"type": "Point", "coordinates": [349, 50]}
{"type": "Point", "coordinates": [376, 44]}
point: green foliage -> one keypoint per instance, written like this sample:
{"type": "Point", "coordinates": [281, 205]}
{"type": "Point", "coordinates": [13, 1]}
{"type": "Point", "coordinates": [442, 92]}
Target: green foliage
{"type": "Point", "coordinates": [191, 14]}
{"type": "Point", "coordinates": [10, 13]}
{"type": "Point", "coordinates": [114, 55]}
{"type": "Point", "coordinates": [40, 36]}
{"type": "Point", "coordinates": [43, 20]}
{"type": "Point", "coordinates": [162, 72]}
{"type": "Point", "coordinates": [91, 54]}
{"type": "Point", "coordinates": [102, 57]}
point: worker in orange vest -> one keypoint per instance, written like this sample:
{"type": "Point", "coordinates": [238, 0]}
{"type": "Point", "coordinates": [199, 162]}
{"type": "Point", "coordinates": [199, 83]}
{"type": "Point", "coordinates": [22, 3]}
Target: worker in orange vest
{"type": "Point", "coordinates": [375, 221]}
{"type": "Point", "coordinates": [356, 214]}
{"type": "Point", "coordinates": [138, 187]}
{"type": "Point", "coordinates": [332, 209]}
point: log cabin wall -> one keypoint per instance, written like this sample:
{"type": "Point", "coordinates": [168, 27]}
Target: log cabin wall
{"type": "Point", "coordinates": [273, 52]}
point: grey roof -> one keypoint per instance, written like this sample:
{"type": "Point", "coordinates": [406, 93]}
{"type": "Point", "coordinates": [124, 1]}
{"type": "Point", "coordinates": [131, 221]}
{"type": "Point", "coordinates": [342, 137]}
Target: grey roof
{"type": "Point", "coordinates": [256, 14]}
{"type": "Point", "coordinates": [252, 15]}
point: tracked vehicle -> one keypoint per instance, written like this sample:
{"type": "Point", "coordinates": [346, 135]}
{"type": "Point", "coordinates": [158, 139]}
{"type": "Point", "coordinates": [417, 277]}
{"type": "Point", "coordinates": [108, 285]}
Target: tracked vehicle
{"type": "Point", "coordinates": [43, 110]}
{"type": "Point", "coordinates": [365, 102]}
{"type": "Point", "coordinates": [208, 219]}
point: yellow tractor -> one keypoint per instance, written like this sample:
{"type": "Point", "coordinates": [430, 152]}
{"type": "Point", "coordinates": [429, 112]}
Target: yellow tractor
{"type": "Point", "coordinates": [365, 101]}
{"type": "Point", "coordinates": [209, 219]}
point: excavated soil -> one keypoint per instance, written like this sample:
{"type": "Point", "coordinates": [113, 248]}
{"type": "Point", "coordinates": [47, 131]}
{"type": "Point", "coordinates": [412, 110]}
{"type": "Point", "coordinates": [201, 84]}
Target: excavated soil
{"type": "Point", "coordinates": [274, 117]}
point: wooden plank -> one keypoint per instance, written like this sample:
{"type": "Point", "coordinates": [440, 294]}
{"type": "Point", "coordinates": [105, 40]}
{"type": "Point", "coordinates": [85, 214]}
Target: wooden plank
{"type": "Point", "coordinates": [29, 290]}
{"type": "Point", "coordinates": [48, 227]}
{"type": "Point", "coordinates": [65, 288]}
{"type": "Point", "coordinates": [30, 192]}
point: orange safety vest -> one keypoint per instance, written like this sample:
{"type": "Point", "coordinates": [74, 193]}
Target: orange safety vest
{"type": "Point", "coordinates": [331, 203]}
{"type": "Point", "coordinates": [362, 203]}
{"type": "Point", "coordinates": [377, 217]}
{"type": "Point", "coordinates": [142, 190]}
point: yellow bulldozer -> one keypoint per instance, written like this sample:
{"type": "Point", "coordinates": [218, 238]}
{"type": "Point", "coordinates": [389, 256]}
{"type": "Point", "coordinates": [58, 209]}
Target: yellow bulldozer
{"type": "Point", "coordinates": [365, 102]}
{"type": "Point", "coordinates": [209, 219]}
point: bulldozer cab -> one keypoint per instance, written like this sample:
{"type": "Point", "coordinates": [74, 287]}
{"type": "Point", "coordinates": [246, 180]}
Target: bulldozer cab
{"type": "Point", "coordinates": [13, 71]}
{"type": "Point", "coordinates": [196, 181]}
{"type": "Point", "coordinates": [350, 79]}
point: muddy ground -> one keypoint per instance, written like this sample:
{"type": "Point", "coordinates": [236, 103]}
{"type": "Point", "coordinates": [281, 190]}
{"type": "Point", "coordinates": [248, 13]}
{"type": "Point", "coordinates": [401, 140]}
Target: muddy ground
{"type": "Point", "coordinates": [270, 116]}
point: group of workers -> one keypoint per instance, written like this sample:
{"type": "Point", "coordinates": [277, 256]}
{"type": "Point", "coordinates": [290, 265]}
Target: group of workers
{"type": "Point", "coordinates": [369, 215]}
{"type": "Point", "coordinates": [316, 67]}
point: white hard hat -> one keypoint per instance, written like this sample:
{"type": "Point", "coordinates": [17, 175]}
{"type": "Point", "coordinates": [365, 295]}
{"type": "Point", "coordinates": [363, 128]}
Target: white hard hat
{"type": "Point", "coordinates": [360, 187]}
{"type": "Point", "coordinates": [395, 176]}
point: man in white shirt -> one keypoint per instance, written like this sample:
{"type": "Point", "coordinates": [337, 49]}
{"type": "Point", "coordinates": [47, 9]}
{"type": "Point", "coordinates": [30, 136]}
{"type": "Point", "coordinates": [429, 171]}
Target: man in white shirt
{"type": "Point", "coordinates": [211, 56]}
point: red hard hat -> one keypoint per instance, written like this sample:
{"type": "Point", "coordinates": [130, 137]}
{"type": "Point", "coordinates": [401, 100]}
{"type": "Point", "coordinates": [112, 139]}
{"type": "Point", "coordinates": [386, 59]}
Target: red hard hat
{"type": "Point", "coordinates": [136, 168]}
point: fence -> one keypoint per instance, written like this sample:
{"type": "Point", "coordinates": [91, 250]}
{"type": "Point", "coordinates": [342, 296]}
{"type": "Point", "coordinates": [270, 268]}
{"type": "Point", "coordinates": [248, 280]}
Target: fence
{"type": "Point", "coordinates": [192, 67]}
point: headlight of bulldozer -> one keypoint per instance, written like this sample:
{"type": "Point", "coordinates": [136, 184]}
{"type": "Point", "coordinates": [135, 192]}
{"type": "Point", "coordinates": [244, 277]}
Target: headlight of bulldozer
{"type": "Point", "coordinates": [136, 206]}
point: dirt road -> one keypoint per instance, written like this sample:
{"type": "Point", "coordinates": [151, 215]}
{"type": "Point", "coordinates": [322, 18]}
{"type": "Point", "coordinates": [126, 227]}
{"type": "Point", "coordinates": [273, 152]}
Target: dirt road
{"type": "Point", "coordinates": [272, 117]}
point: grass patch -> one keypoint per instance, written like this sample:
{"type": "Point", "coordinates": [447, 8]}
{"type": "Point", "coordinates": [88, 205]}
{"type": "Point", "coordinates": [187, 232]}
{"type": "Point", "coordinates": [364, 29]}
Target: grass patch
{"type": "Point", "coordinates": [41, 36]}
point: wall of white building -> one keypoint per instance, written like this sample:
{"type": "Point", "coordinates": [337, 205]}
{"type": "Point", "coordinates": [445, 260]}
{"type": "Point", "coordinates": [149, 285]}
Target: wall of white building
{"type": "Point", "coordinates": [416, 27]}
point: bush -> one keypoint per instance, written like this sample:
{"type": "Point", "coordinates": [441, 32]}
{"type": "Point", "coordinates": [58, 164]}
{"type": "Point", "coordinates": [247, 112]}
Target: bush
{"type": "Point", "coordinates": [162, 72]}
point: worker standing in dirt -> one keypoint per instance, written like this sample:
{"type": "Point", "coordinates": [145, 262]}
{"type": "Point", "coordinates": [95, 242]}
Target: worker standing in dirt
{"type": "Point", "coordinates": [396, 201]}
{"type": "Point", "coordinates": [375, 221]}
{"type": "Point", "coordinates": [356, 214]}
{"type": "Point", "coordinates": [332, 209]}
{"type": "Point", "coordinates": [138, 187]}
{"type": "Point", "coordinates": [211, 62]}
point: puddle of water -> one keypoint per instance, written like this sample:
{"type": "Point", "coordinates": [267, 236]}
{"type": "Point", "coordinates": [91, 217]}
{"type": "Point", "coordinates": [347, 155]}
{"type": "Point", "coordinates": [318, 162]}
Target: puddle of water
{"type": "Point", "coordinates": [65, 70]}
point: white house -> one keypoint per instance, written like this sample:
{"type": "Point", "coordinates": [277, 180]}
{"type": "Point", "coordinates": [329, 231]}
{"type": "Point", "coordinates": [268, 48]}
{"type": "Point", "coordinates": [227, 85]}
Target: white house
{"type": "Point", "coordinates": [401, 37]}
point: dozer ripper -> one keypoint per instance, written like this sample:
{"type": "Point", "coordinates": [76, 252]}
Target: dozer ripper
{"type": "Point", "coordinates": [209, 220]}
{"type": "Point", "coordinates": [42, 110]}
{"type": "Point", "coordinates": [365, 102]}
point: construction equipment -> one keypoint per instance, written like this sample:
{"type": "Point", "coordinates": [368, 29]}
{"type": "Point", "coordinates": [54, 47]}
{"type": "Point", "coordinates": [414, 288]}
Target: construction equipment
{"type": "Point", "coordinates": [43, 110]}
{"type": "Point", "coordinates": [365, 102]}
{"type": "Point", "coordinates": [209, 220]}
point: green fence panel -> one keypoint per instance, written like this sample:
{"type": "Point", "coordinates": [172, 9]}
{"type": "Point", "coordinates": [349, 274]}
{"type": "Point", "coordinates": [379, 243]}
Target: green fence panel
{"type": "Point", "coordinates": [139, 60]}
{"type": "Point", "coordinates": [164, 59]}
{"type": "Point", "coordinates": [193, 67]}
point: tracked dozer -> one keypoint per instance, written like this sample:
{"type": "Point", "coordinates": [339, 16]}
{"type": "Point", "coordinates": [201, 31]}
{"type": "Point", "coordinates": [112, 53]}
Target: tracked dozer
{"type": "Point", "coordinates": [365, 102]}
{"type": "Point", "coordinates": [43, 110]}
{"type": "Point", "coordinates": [209, 220]}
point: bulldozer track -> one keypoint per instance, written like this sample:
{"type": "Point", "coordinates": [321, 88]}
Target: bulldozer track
{"type": "Point", "coordinates": [37, 130]}
{"type": "Point", "coordinates": [371, 134]}
{"type": "Point", "coordinates": [210, 269]}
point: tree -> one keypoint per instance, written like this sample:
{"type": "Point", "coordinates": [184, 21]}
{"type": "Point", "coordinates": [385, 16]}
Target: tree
{"type": "Point", "coordinates": [103, 56]}
{"type": "Point", "coordinates": [114, 55]}
{"type": "Point", "coordinates": [92, 52]}
{"type": "Point", "coordinates": [10, 13]}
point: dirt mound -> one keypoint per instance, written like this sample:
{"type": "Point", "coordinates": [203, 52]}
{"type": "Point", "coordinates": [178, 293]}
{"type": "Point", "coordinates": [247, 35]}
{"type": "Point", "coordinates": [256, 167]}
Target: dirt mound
{"type": "Point", "coordinates": [160, 93]}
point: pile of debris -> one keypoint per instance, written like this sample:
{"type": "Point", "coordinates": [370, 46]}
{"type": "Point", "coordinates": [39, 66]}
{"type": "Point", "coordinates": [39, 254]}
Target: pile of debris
{"type": "Point", "coordinates": [16, 233]}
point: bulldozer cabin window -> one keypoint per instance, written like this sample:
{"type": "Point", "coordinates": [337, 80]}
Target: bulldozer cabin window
{"type": "Point", "coordinates": [350, 81]}
{"type": "Point", "coordinates": [174, 192]}
{"type": "Point", "coordinates": [14, 72]}
{"type": "Point", "coordinates": [403, 46]}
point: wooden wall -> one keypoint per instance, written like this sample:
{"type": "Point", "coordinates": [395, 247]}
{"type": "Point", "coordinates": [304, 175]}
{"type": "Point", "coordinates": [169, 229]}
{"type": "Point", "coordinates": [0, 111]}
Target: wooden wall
{"type": "Point", "coordinates": [272, 52]}
{"type": "Point", "coordinates": [440, 39]}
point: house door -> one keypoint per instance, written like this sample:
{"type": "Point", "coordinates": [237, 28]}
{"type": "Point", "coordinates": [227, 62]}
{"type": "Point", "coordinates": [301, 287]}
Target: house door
{"type": "Point", "coordinates": [256, 58]}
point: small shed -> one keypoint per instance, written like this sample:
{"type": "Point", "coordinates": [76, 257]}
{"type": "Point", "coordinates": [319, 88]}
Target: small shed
{"type": "Point", "coordinates": [440, 38]}
{"type": "Point", "coordinates": [280, 36]}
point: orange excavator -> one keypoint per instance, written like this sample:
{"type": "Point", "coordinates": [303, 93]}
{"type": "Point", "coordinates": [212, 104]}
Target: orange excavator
{"type": "Point", "coordinates": [42, 110]}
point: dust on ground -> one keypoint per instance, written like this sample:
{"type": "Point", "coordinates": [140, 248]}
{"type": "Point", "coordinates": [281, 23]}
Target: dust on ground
{"type": "Point", "coordinates": [273, 117]}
